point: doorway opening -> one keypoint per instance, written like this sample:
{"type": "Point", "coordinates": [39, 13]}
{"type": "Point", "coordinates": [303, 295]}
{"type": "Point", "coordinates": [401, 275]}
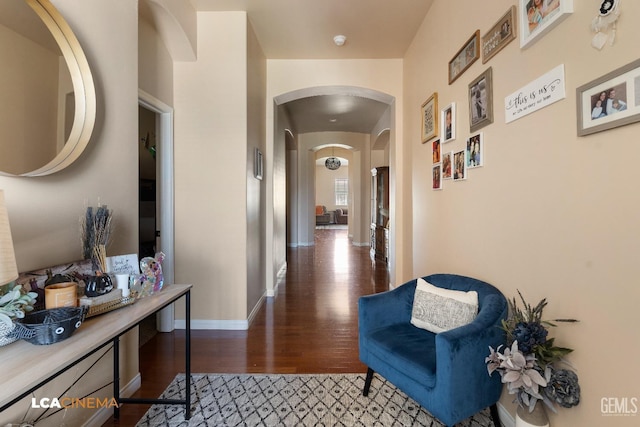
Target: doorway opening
{"type": "Point", "coordinates": [156, 199]}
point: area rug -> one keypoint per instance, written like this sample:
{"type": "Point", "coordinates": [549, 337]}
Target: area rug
{"type": "Point", "coordinates": [293, 400]}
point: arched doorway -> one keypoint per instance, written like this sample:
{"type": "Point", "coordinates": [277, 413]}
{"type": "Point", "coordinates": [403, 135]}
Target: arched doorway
{"type": "Point", "coordinates": [295, 138]}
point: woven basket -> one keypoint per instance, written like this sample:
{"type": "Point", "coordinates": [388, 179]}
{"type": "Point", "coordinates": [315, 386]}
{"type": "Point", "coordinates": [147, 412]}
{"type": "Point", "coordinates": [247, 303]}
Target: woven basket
{"type": "Point", "coordinates": [51, 326]}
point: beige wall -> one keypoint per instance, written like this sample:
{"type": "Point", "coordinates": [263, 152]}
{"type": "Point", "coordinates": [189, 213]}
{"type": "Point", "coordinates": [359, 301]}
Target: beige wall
{"type": "Point", "coordinates": [550, 214]}
{"type": "Point", "coordinates": [210, 100]}
{"type": "Point", "coordinates": [44, 212]}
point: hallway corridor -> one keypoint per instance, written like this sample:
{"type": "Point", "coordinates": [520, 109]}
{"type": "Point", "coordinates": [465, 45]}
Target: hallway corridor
{"type": "Point", "coordinates": [310, 326]}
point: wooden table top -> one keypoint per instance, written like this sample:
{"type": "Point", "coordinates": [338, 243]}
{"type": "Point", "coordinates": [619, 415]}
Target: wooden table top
{"type": "Point", "coordinates": [25, 365]}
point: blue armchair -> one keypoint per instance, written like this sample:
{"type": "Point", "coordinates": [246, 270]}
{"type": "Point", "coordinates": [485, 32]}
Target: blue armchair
{"type": "Point", "coordinates": [444, 372]}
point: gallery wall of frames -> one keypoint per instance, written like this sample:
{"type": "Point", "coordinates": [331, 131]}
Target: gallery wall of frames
{"type": "Point", "coordinates": [607, 102]}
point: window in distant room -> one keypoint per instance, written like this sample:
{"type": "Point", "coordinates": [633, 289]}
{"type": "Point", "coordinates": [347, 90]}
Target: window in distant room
{"type": "Point", "coordinates": [341, 191]}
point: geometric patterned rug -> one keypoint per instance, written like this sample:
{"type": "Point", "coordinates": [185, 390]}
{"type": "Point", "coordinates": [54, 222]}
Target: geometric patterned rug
{"type": "Point", "coordinates": [246, 400]}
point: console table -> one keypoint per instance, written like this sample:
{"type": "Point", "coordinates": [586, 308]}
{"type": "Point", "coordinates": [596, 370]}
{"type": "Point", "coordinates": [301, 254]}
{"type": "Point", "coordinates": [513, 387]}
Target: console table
{"type": "Point", "coordinates": [30, 366]}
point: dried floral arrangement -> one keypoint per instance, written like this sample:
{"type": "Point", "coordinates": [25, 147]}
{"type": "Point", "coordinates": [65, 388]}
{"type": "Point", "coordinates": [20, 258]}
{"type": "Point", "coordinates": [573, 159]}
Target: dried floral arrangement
{"type": "Point", "coordinates": [96, 227]}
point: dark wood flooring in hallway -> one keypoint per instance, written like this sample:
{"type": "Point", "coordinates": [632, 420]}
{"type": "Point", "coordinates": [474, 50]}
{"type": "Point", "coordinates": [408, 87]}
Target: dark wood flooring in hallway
{"type": "Point", "coordinates": [310, 326]}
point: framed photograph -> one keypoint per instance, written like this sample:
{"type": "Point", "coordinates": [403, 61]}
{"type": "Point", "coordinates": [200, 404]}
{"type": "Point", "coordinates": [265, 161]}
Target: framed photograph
{"type": "Point", "coordinates": [609, 101]}
{"type": "Point", "coordinates": [538, 17]}
{"type": "Point", "coordinates": [448, 122]}
{"type": "Point", "coordinates": [257, 164]}
{"type": "Point", "coordinates": [500, 35]}
{"type": "Point", "coordinates": [475, 151]}
{"type": "Point", "coordinates": [467, 55]}
{"type": "Point", "coordinates": [429, 119]}
{"type": "Point", "coordinates": [460, 165]}
{"type": "Point", "coordinates": [447, 161]}
{"type": "Point", "coordinates": [435, 151]}
{"type": "Point", "coordinates": [436, 175]}
{"type": "Point", "coordinates": [481, 101]}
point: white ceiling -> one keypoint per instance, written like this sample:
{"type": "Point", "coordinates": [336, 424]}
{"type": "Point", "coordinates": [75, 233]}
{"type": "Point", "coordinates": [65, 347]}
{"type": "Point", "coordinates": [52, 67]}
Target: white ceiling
{"type": "Point", "coordinates": [304, 29]}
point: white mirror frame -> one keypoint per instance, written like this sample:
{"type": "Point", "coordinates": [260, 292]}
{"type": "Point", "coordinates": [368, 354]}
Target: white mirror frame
{"type": "Point", "coordinates": [83, 87]}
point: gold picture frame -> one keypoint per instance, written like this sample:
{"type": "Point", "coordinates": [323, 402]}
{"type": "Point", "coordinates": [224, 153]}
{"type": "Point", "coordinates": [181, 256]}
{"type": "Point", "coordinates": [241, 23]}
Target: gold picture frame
{"type": "Point", "coordinates": [429, 118]}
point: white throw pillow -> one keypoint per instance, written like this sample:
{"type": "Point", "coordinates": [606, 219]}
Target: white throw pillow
{"type": "Point", "coordinates": [437, 310]}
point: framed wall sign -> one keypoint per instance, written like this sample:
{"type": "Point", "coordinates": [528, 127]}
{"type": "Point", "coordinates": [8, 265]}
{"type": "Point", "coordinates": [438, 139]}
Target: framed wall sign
{"type": "Point", "coordinates": [609, 101]}
{"type": "Point", "coordinates": [429, 118]}
{"type": "Point", "coordinates": [538, 17]}
{"type": "Point", "coordinates": [481, 101]}
{"type": "Point", "coordinates": [500, 35]}
{"type": "Point", "coordinates": [467, 55]}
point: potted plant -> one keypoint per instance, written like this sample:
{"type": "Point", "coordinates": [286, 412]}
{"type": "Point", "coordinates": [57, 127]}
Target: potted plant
{"type": "Point", "coordinates": [14, 302]}
{"type": "Point", "coordinates": [529, 364]}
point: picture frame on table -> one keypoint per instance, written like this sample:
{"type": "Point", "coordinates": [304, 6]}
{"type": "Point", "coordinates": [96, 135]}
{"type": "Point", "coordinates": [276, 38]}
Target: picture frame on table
{"type": "Point", "coordinates": [447, 165]}
{"type": "Point", "coordinates": [429, 118]}
{"type": "Point", "coordinates": [467, 55]}
{"type": "Point", "coordinates": [459, 165]}
{"type": "Point", "coordinates": [475, 151]}
{"type": "Point", "coordinates": [538, 17]}
{"type": "Point", "coordinates": [448, 123]}
{"type": "Point", "coordinates": [501, 34]}
{"type": "Point", "coordinates": [436, 177]}
{"type": "Point", "coordinates": [481, 101]}
{"type": "Point", "coordinates": [609, 101]}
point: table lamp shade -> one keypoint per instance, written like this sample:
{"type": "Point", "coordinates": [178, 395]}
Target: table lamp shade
{"type": "Point", "coordinates": [8, 267]}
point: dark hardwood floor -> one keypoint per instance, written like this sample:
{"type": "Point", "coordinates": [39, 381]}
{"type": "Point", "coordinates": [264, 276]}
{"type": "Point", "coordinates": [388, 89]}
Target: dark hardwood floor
{"type": "Point", "coordinates": [311, 326]}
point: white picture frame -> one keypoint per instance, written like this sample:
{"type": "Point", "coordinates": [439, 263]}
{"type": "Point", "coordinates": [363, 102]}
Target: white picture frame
{"type": "Point", "coordinates": [475, 151]}
{"type": "Point", "coordinates": [459, 165]}
{"type": "Point", "coordinates": [534, 21]}
{"type": "Point", "coordinates": [448, 123]}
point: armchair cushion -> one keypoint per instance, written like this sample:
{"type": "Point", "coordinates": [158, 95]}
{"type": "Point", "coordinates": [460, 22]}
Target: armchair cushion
{"type": "Point", "coordinates": [438, 310]}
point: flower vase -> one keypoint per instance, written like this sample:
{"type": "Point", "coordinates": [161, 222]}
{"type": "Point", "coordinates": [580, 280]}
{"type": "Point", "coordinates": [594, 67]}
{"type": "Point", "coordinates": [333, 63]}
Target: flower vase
{"type": "Point", "coordinates": [536, 418]}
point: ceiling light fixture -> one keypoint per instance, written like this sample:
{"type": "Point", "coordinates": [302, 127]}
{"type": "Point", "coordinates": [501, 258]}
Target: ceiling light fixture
{"type": "Point", "coordinates": [332, 163]}
{"type": "Point", "coordinates": [339, 39]}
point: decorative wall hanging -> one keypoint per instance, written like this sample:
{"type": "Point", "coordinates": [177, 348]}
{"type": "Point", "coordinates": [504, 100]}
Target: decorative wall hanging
{"type": "Point", "coordinates": [609, 101]}
{"type": "Point", "coordinates": [257, 164]}
{"type": "Point", "coordinates": [447, 161]}
{"type": "Point", "coordinates": [467, 55]}
{"type": "Point", "coordinates": [541, 92]}
{"type": "Point", "coordinates": [500, 35]}
{"type": "Point", "coordinates": [475, 151]}
{"type": "Point", "coordinates": [436, 174]}
{"type": "Point", "coordinates": [429, 118]}
{"type": "Point", "coordinates": [448, 122]}
{"type": "Point", "coordinates": [608, 14]}
{"type": "Point", "coordinates": [435, 151]}
{"type": "Point", "coordinates": [459, 165]}
{"type": "Point", "coordinates": [481, 101]}
{"type": "Point", "coordinates": [538, 17]}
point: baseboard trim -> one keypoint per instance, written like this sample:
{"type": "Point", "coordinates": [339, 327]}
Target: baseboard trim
{"type": "Point", "coordinates": [227, 325]}
{"type": "Point", "coordinates": [102, 415]}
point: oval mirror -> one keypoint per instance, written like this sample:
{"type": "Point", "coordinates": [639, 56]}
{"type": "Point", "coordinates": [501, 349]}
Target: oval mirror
{"type": "Point", "coordinates": [48, 103]}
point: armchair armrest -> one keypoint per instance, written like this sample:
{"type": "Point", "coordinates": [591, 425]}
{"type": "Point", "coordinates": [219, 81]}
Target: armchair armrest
{"type": "Point", "coordinates": [460, 352]}
{"type": "Point", "coordinates": [386, 308]}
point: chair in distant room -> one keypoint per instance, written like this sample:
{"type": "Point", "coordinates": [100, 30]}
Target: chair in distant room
{"type": "Point", "coordinates": [341, 216]}
{"type": "Point", "coordinates": [429, 338]}
{"type": "Point", "coordinates": [322, 216]}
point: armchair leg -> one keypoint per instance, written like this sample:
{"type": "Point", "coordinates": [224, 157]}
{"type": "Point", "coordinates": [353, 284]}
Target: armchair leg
{"type": "Point", "coordinates": [367, 382]}
{"type": "Point", "coordinates": [494, 415]}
